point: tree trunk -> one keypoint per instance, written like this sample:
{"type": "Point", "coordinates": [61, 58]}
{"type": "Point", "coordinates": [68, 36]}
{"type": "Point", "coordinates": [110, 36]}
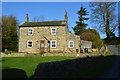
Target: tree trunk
{"type": "Point", "coordinates": [107, 25]}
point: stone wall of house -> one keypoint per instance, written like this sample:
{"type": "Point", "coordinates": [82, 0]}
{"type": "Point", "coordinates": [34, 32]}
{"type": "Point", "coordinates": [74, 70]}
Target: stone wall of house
{"type": "Point", "coordinates": [62, 38]}
{"type": "Point", "coordinates": [76, 39]}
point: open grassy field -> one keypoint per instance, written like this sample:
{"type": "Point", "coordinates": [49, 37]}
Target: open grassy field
{"type": "Point", "coordinates": [24, 67]}
{"type": "Point", "coordinates": [27, 64]}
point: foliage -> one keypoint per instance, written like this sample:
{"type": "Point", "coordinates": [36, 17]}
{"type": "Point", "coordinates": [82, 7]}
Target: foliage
{"type": "Point", "coordinates": [97, 44]}
{"type": "Point", "coordinates": [92, 35]}
{"type": "Point", "coordinates": [93, 31]}
{"type": "Point", "coordinates": [42, 53]}
{"type": "Point", "coordinates": [108, 54]}
{"type": "Point", "coordinates": [8, 52]}
{"type": "Point", "coordinates": [118, 46]}
{"type": "Point", "coordinates": [103, 17]}
{"type": "Point", "coordinates": [80, 24]}
{"type": "Point", "coordinates": [88, 36]}
{"type": "Point", "coordinates": [9, 33]}
{"type": "Point", "coordinates": [112, 41]}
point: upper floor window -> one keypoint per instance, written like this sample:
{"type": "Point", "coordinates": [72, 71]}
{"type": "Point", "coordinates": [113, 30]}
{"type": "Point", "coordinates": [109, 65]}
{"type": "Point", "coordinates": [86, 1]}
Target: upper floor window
{"type": "Point", "coordinates": [53, 44]}
{"type": "Point", "coordinates": [53, 31]}
{"type": "Point", "coordinates": [29, 44]}
{"type": "Point", "coordinates": [30, 31]}
{"type": "Point", "coordinates": [71, 44]}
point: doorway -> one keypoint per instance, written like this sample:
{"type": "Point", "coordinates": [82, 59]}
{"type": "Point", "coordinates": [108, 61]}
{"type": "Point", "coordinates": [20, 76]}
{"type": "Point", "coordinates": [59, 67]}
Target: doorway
{"type": "Point", "coordinates": [42, 45]}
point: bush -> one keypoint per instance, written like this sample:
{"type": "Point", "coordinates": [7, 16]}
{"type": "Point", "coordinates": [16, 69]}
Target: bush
{"type": "Point", "coordinates": [112, 41]}
{"type": "Point", "coordinates": [98, 43]}
{"type": "Point", "coordinates": [42, 53]}
{"type": "Point", "coordinates": [93, 36]}
{"type": "Point", "coordinates": [8, 52]}
{"type": "Point", "coordinates": [89, 36]}
{"type": "Point", "coordinates": [118, 46]}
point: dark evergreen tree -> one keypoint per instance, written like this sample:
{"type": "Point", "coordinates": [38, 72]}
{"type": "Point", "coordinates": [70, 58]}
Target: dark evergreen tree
{"type": "Point", "coordinates": [80, 24]}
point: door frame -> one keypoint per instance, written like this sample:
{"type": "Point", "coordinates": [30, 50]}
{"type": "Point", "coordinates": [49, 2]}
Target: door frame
{"type": "Point", "coordinates": [42, 48]}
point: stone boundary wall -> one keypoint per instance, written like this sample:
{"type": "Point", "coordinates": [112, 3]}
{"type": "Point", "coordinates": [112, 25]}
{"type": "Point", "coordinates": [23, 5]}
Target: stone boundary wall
{"type": "Point", "coordinates": [50, 54]}
{"type": "Point", "coordinates": [13, 55]}
{"type": "Point", "coordinates": [71, 54]}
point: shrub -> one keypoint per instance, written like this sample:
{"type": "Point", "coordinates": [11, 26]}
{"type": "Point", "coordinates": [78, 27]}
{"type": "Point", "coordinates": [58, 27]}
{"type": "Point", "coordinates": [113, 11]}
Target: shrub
{"type": "Point", "coordinates": [89, 36]}
{"type": "Point", "coordinates": [112, 41]}
{"type": "Point", "coordinates": [93, 36]}
{"type": "Point", "coordinates": [42, 53]}
{"type": "Point", "coordinates": [8, 52]}
{"type": "Point", "coordinates": [118, 46]}
{"type": "Point", "coordinates": [98, 43]}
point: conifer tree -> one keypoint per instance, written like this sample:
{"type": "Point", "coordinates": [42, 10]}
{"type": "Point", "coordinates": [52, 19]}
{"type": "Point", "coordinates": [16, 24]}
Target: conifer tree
{"type": "Point", "coordinates": [80, 24]}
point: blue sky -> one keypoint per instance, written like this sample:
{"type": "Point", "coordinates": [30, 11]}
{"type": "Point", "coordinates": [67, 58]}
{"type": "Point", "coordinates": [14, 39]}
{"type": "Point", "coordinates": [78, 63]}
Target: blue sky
{"type": "Point", "coordinates": [49, 10]}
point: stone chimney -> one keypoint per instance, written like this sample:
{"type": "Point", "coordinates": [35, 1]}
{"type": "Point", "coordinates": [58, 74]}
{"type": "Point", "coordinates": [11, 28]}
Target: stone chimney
{"type": "Point", "coordinates": [66, 19]}
{"type": "Point", "coordinates": [65, 16]}
{"type": "Point", "coordinates": [27, 18]}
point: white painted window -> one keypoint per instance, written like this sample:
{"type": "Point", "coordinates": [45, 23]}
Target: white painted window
{"type": "Point", "coordinates": [71, 44]}
{"type": "Point", "coordinates": [53, 44]}
{"type": "Point", "coordinates": [30, 31]}
{"type": "Point", "coordinates": [53, 31]}
{"type": "Point", "coordinates": [29, 44]}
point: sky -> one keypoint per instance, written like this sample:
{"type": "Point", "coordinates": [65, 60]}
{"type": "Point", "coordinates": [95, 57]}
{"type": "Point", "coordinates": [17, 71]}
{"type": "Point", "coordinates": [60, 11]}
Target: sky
{"type": "Point", "coordinates": [51, 11]}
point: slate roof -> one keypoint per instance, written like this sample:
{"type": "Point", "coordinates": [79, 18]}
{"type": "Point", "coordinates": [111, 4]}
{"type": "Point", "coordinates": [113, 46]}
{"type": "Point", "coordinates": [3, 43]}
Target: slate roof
{"type": "Point", "coordinates": [44, 23]}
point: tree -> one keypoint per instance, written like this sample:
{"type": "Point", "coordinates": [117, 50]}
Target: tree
{"type": "Point", "coordinates": [80, 24]}
{"type": "Point", "coordinates": [0, 34]}
{"type": "Point", "coordinates": [93, 36]}
{"type": "Point", "coordinates": [103, 17]}
{"type": "Point", "coordinates": [9, 33]}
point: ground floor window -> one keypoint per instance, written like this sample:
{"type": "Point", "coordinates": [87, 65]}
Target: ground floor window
{"type": "Point", "coordinates": [29, 44]}
{"type": "Point", "coordinates": [53, 44]}
{"type": "Point", "coordinates": [71, 44]}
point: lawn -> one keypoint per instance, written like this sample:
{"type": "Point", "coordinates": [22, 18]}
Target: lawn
{"type": "Point", "coordinates": [27, 64]}
{"type": "Point", "coordinates": [88, 67]}
{"type": "Point", "coordinates": [76, 67]}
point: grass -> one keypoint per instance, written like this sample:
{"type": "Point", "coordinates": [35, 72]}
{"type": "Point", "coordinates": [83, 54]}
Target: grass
{"type": "Point", "coordinates": [108, 54]}
{"type": "Point", "coordinates": [25, 66]}
{"type": "Point", "coordinates": [28, 64]}
{"type": "Point", "coordinates": [88, 67]}
{"type": "Point", "coordinates": [118, 46]}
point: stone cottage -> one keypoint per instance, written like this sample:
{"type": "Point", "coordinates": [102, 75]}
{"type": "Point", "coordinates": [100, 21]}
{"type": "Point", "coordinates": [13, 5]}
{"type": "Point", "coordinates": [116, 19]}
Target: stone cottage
{"type": "Point", "coordinates": [48, 36]}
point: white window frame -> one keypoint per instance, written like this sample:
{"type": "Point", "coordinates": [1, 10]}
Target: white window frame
{"type": "Point", "coordinates": [69, 44]}
{"type": "Point", "coordinates": [51, 43]}
{"type": "Point", "coordinates": [29, 41]}
{"type": "Point", "coordinates": [30, 31]}
{"type": "Point", "coordinates": [52, 31]}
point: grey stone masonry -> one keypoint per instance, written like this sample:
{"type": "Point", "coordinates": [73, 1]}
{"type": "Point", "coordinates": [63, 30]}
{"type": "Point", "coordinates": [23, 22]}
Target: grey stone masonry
{"type": "Point", "coordinates": [48, 36]}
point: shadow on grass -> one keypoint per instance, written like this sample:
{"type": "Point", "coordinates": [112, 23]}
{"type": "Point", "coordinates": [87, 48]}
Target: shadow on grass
{"type": "Point", "coordinates": [14, 74]}
{"type": "Point", "coordinates": [89, 67]}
